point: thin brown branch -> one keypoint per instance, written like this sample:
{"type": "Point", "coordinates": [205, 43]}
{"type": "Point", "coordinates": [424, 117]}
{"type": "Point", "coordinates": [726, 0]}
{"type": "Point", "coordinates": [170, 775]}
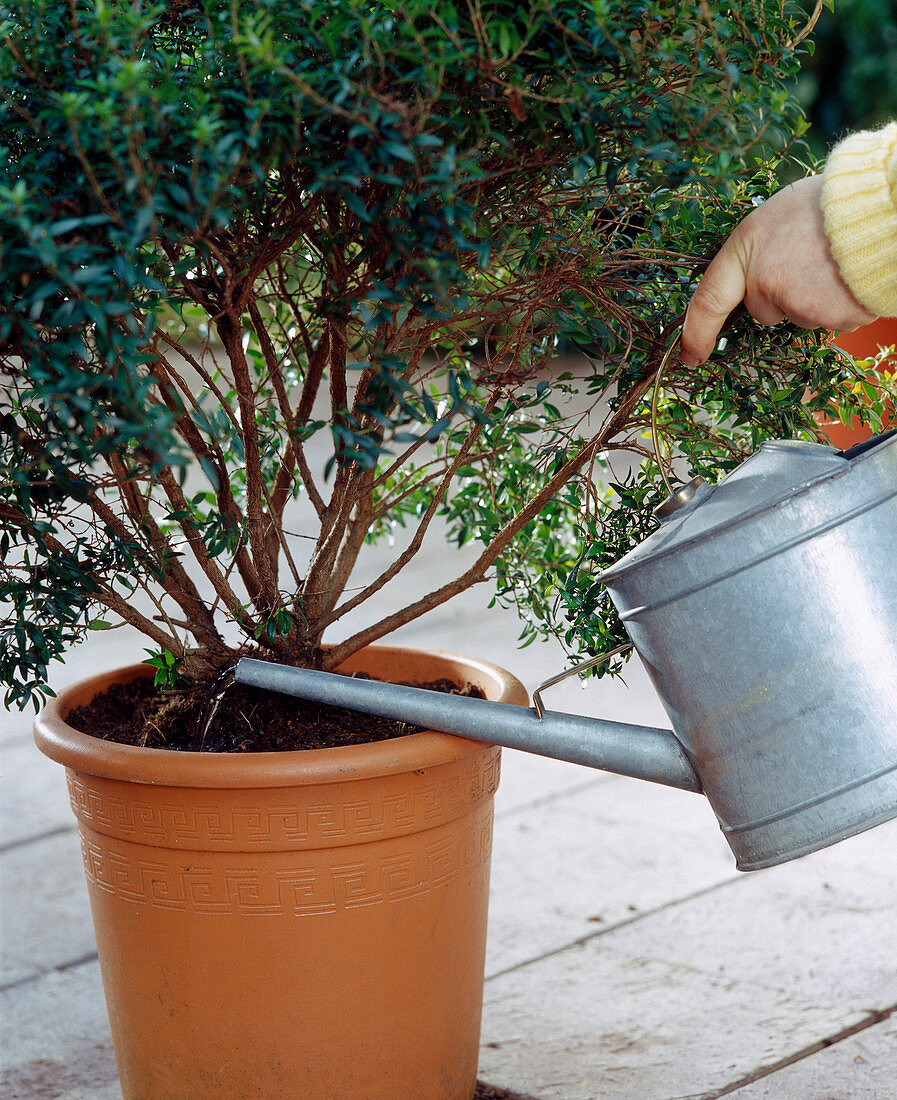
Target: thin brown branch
{"type": "Point", "coordinates": [274, 538]}
{"type": "Point", "coordinates": [209, 566]}
{"type": "Point", "coordinates": [477, 572]}
{"type": "Point", "coordinates": [317, 589]}
{"type": "Point", "coordinates": [182, 384]}
{"type": "Point", "coordinates": [256, 521]}
{"type": "Point", "coordinates": [347, 518]}
{"type": "Point", "coordinates": [209, 454]}
{"type": "Point", "coordinates": [402, 459]}
{"type": "Point", "coordinates": [294, 459]}
{"type": "Point", "coordinates": [170, 574]}
{"type": "Point", "coordinates": [358, 527]}
{"type": "Point", "coordinates": [414, 546]}
{"type": "Point", "coordinates": [288, 297]}
{"type": "Point", "coordinates": [808, 26]}
{"type": "Point", "coordinates": [129, 614]}
{"type": "Point", "coordinates": [105, 595]}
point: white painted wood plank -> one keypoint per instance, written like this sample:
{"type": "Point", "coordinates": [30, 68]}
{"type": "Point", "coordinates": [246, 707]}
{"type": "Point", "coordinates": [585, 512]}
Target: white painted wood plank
{"type": "Point", "coordinates": [699, 995]}
{"type": "Point", "coordinates": [46, 913]}
{"type": "Point", "coordinates": [56, 1039]}
{"type": "Point", "coordinates": [863, 1067]}
{"type": "Point", "coordinates": [593, 857]}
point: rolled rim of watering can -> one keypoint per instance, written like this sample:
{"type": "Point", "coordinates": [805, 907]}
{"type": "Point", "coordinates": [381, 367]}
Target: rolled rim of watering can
{"type": "Point", "coordinates": [806, 847]}
{"type": "Point", "coordinates": [821, 464]}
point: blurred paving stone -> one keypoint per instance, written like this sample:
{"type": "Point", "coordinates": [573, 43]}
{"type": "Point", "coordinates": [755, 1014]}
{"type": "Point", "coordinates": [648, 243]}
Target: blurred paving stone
{"type": "Point", "coordinates": [56, 1039]}
{"type": "Point", "coordinates": [528, 781]}
{"type": "Point", "coordinates": [698, 995]}
{"type": "Point", "coordinates": [861, 1067]}
{"type": "Point", "coordinates": [46, 914]}
{"type": "Point", "coordinates": [591, 1023]}
{"type": "Point", "coordinates": [594, 856]}
{"type": "Point", "coordinates": [35, 795]}
{"type": "Point", "coordinates": [824, 925]}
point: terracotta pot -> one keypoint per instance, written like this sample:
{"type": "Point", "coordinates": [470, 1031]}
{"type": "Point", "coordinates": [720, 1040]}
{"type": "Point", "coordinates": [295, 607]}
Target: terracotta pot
{"type": "Point", "coordinates": [301, 924]}
{"type": "Point", "coordinates": [862, 343]}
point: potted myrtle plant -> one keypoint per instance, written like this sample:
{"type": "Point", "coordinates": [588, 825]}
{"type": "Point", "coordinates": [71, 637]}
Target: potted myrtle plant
{"type": "Point", "coordinates": [265, 265]}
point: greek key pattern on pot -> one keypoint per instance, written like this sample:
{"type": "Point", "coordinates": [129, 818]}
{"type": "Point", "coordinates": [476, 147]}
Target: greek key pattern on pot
{"type": "Point", "coordinates": [220, 884]}
{"type": "Point", "coordinates": [297, 817]}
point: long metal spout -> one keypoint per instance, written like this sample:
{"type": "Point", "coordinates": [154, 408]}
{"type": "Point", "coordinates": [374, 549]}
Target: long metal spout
{"type": "Point", "coordinates": [642, 752]}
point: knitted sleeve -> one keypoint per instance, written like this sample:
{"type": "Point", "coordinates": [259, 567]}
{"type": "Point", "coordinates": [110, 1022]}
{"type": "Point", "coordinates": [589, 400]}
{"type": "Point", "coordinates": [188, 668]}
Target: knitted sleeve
{"type": "Point", "coordinates": [859, 203]}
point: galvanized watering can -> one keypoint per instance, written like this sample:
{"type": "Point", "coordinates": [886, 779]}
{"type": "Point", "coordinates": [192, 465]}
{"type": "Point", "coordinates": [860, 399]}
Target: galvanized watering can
{"type": "Point", "coordinates": [765, 611]}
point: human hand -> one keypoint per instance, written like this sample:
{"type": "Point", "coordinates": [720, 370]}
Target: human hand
{"type": "Point", "coordinates": [778, 262]}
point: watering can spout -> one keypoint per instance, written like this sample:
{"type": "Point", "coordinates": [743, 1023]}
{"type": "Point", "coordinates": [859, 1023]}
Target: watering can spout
{"type": "Point", "coordinates": [642, 752]}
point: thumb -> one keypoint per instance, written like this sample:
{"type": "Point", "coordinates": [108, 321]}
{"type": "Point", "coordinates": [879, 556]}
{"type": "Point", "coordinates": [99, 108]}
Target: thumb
{"type": "Point", "coordinates": [721, 289]}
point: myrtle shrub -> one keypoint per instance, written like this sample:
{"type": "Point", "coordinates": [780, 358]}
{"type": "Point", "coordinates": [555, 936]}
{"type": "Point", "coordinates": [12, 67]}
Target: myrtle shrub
{"type": "Point", "coordinates": [234, 232]}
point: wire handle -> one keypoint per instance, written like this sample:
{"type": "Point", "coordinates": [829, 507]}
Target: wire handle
{"type": "Point", "coordinates": [537, 694]}
{"type": "Point", "coordinates": [655, 436]}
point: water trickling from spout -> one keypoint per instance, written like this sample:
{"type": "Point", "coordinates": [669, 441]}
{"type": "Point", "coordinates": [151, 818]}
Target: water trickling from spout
{"type": "Point", "coordinates": [213, 701]}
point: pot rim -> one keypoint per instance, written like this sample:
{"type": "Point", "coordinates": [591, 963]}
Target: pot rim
{"type": "Point", "coordinates": [84, 753]}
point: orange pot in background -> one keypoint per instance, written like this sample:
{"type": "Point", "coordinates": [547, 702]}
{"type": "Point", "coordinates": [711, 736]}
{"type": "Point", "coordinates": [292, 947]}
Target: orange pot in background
{"type": "Point", "coordinates": [863, 343]}
{"type": "Point", "coordinates": [301, 924]}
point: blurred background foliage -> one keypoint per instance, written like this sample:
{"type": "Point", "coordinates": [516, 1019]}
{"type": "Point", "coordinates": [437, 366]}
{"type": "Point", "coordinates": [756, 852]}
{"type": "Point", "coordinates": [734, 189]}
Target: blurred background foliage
{"type": "Point", "coordinates": [848, 80]}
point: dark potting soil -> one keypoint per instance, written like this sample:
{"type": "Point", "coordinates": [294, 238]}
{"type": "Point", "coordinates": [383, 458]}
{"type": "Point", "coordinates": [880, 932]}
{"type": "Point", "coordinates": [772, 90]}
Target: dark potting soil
{"type": "Point", "coordinates": [247, 719]}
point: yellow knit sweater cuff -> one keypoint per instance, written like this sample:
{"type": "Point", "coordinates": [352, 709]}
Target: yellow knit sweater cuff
{"type": "Point", "coordinates": [859, 202]}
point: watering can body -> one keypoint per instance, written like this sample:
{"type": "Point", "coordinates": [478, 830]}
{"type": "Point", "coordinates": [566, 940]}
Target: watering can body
{"type": "Point", "coordinates": [766, 616]}
{"type": "Point", "coordinates": [765, 611]}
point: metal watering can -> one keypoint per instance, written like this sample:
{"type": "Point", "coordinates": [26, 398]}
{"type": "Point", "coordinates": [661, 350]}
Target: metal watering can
{"type": "Point", "coordinates": [765, 611]}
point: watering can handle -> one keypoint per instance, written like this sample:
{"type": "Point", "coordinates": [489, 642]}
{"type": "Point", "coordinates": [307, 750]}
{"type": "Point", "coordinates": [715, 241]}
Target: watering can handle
{"type": "Point", "coordinates": [600, 659]}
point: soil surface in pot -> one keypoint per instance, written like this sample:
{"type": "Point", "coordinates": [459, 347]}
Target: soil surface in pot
{"type": "Point", "coordinates": [247, 719]}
